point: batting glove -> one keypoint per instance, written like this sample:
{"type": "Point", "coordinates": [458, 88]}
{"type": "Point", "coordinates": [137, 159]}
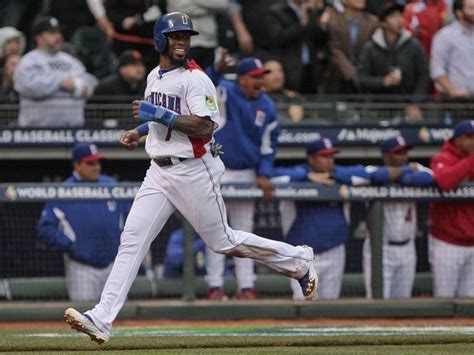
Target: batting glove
{"type": "Point", "coordinates": [150, 112]}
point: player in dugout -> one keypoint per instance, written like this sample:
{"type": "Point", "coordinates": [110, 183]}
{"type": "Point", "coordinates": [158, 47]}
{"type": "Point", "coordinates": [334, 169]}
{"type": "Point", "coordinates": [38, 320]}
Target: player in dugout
{"type": "Point", "coordinates": [88, 232]}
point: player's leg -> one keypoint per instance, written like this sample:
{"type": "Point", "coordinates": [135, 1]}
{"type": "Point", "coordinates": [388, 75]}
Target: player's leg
{"type": "Point", "coordinates": [466, 282]}
{"type": "Point", "coordinates": [390, 267]}
{"type": "Point", "coordinates": [403, 278]}
{"type": "Point", "coordinates": [202, 205]}
{"type": "Point", "coordinates": [101, 278]}
{"type": "Point", "coordinates": [331, 263]}
{"type": "Point", "coordinates": [241, 214]}
{"type": "Point", "coordinates": [80, 280]}
{"type": "Point", "coordinates": [367, 267]}
{"type": "Point", "coordinates": [150, 211]}
{"type": "Point", "coordinates": [446, 266]}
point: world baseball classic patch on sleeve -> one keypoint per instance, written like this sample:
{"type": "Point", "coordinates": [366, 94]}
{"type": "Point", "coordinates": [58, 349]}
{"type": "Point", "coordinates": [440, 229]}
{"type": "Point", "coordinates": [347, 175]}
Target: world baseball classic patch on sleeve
{"type": "Point", "coordinates": [211, 102]}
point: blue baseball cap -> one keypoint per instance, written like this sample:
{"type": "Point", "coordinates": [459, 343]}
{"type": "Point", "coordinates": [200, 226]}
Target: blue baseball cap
{"type": "Point", "coordinates": [394, 144]}
{"type": "Point", "coordinates": [85, 152]}
{"type": "Point", "coordinates": [321, 146]}
{"type": "Point", "coordinates": [464, 127]}
{"type": "Point", "coordinates": [251, 66]}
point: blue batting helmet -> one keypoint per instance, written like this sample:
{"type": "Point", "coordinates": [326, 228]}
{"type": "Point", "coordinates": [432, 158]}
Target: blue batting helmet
{"type": "Point", "coordinates": [169, 23]}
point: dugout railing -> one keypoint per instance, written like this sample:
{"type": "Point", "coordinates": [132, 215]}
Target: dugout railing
{"type": "Point", "coordinates": [352, 110]}
{"type": "Point", "coordinates": [29, 286]}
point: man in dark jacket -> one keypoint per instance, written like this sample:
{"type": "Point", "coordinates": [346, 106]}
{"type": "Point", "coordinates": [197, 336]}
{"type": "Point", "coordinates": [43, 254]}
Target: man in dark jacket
{"type": "Point", "coordinates": [452, 223]}
{"type": "Point", "coordinates": [393, 62]}
{"type": "Point", "coordinates": [129, 80]}
{"type": "Point", "coordinates": [296, 36]}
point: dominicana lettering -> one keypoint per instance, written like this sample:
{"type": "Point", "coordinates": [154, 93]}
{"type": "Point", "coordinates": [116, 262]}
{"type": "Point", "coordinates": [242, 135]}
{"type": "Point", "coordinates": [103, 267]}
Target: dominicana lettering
{"type": "Point", "coordinates": [170, 102]}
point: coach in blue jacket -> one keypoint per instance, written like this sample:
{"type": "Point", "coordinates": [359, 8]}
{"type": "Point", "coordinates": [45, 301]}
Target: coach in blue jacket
{"type": "Point", "coordinates": [88, 232]}
{"type": "Point", "coordinates": [249, 135]}
{"type": "Point", "coordinates": [325, 225]}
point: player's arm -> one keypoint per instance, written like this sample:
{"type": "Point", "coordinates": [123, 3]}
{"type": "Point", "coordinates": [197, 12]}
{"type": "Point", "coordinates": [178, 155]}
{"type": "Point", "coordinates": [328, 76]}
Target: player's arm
{"type": "Point", "coordinates": [192, 125]}
{"type": "Point", "coordinates": [49, 232]}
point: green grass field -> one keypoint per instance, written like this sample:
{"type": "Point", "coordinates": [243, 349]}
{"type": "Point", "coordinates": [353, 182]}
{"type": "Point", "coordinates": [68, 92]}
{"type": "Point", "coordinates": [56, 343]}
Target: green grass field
{"type": "Point", "coordinates": [248, 340]}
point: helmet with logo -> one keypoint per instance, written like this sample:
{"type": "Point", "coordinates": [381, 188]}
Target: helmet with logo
{"type": "Point", "coordinates": [169, 23]}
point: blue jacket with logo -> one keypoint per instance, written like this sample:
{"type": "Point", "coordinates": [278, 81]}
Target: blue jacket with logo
{"type": "Point", "coordinates": [89, 231]}
{"type": "Point", "coordinates": [250, 128]}
{"type": "Point", "coordinates": [323, 225]}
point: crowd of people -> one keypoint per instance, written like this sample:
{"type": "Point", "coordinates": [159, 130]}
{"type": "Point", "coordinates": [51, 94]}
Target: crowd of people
{"type": "Point", "coordinates": [414, 48]}
{"type": "Point", "coordinates": [284, 50]}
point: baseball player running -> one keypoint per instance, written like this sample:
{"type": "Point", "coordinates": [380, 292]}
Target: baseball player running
{"type": "Point", "coordinates": [184, 175]}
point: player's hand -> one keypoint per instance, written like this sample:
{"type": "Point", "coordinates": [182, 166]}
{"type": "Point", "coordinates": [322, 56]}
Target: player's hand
{"type": "Point", "coordinates": [130, 139]}
{"type": "Point", "coordinates": [135, 110]}
{"type": "Point", "coordinates": [266, 186]}
{"type": "Point", "coordinates": [414, 167]}
{"type": "Point", "coordinates": [321, 178]}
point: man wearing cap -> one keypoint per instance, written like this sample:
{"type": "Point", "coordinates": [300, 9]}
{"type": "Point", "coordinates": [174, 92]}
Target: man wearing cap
{"type": "Point", "coordinates": [129, 78]}
{"type": "Point", "coordinates": [393, 62]}
{"type": "Point", "coordinates": [324, 225]}
{"type": "Point", "coordinates": [321, 225]}
{"type": "Point", "coordinates": [88, 232]}
{"type": "Point", "coordinates": [249, 135]}
{"type": "Point", "coordinates": [399, 224]}
{"type": "Point", "coordinates": [52, 84]}
{"type": "Point", "coordinates": [452, 223]}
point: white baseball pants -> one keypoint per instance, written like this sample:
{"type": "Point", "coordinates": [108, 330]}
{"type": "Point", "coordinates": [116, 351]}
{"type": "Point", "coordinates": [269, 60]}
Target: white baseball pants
{"type": "Point", "coordinates": [241, 214]}
{"type": "Point", "coordinates": [84, 282]}
{"type": "Point", "coordinates": [452, 267]}
{"type": "Point", "coordinates": [192, 188]}
{"type": "Point", "coordinates": [330, 269]}
{"type": "Point", "coordinates": [399, 268]}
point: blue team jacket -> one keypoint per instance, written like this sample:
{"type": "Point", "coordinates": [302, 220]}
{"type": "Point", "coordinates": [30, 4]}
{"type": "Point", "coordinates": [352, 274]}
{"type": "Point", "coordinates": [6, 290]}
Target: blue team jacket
{"type": "Point", "coordinates": [96, 224]}
{"type": "Point", "coordinates": [322, 225]}
{"type": "Point", "coordinates": [250, 130]}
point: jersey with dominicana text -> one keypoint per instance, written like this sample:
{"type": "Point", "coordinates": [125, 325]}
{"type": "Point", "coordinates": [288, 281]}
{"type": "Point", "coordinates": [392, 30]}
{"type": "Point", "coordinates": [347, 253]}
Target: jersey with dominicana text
{"type": "Point", "coordinates": [185, 91]}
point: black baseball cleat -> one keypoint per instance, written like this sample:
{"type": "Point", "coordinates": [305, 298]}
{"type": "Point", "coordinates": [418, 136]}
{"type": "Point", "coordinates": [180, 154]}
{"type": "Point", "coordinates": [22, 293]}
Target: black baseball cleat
{"type": "Point", "coordinates": [84, 324]}
{"type": "Point", "coordinates": [309, 282]}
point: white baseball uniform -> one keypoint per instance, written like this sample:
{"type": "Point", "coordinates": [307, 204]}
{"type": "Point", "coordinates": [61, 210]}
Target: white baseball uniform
{"type": "Point", "coordinates": [191, 187]}
{"type": "Point", "coordinates": [241, 215]}
{"type": "Point", "coordinates": [399, 253]}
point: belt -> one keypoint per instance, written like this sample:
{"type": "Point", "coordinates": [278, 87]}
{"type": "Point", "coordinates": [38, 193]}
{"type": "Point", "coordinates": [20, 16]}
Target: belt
{"type": "Point", "coordinates": [399, 243]}
{"type": "Point", "coordinates": [167, 161]}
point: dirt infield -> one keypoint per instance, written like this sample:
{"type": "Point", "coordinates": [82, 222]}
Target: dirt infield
{"type": "Point", "coordinates": [393, 322]}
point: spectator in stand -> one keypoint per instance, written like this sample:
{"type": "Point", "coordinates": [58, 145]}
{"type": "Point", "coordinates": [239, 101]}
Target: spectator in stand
{"type": "Point", "coordinates": [203, 14]}
{"type": "Point", "coordinates": [399, 224]}
{"type": "Point", "coordinates": [133, 22]}
{"type": "Point", "coordinates": [296, 34]}
{"type": "Point", "coordinates": [74, 14]}
{"type": "Point", "coordinates": [249, 133]}
{"type": "Point", "coordinates": [7, 92]}
{"type": "Point", "coordinates": [254, 37]}
{"type": "Point", "coordinates": [394, 63]}
{"type": "Point", "coordinates": [12, 41]}
{"type": "Point", "coordinates": [52, 85]}
{"type": "Point", "coordinates": [452, 52]}
{"type": "Point", "coordinates": [348, 33]}
{"type": "Point", "coordinates": [451, 243]}
{"type": "Point", "coordinates": [128, 80]}
{"type": "Point", "coordinates": [87, 232]}
{"type": "Point", "coordinates": [308, 221]}
{"type": "Point", "coordinates": [423, 18]}
{"type": "Point", "coordinates": [274, 86]}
